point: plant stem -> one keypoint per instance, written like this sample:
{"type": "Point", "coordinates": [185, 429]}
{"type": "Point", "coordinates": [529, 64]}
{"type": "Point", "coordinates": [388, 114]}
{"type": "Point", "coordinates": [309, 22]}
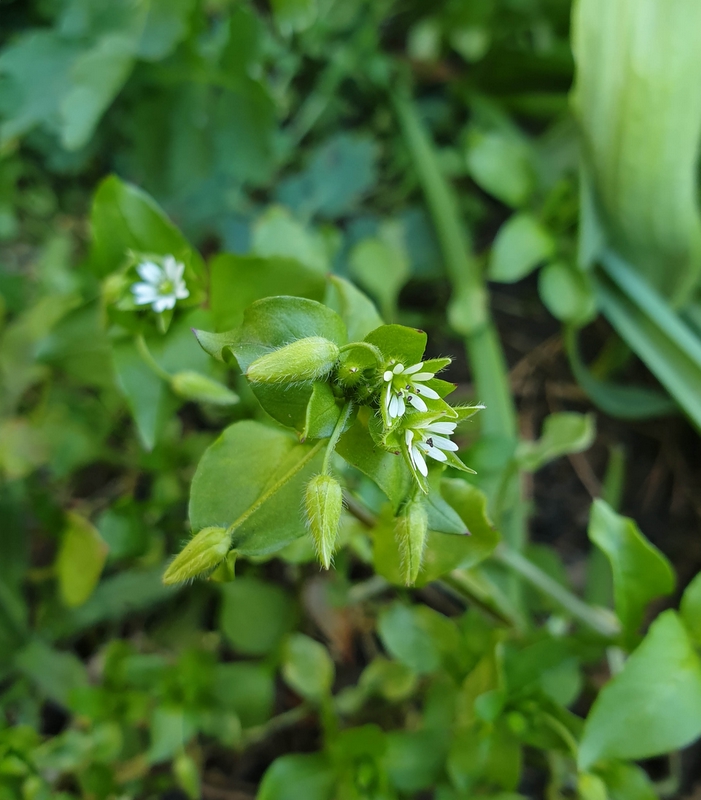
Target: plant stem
{"type": "Point", "coordinates": [598, 619]}
{"type": "Point", "coordinates": [145, 353]}
{"type": "Point", "coordinates": [275, 487]}
{"type": "Point", "coordinates": [335, 436]}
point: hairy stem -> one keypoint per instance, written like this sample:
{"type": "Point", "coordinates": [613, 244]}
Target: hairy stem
{"type": "Point", "coordinates": [335, 436]}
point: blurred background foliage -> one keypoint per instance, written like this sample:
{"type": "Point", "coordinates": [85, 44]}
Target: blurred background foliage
{"type": "Point", "coordinates": [446, 159]}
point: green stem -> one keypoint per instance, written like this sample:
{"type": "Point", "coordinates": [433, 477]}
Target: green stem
{"type": "Point", "coordinates": [145, 353]}
{"type": "Point", "coordinates": [275, 487]}
{"type": "Point", "coordinates": [335, 436]}
{"type": "Point", "coordinates": [598, 619]}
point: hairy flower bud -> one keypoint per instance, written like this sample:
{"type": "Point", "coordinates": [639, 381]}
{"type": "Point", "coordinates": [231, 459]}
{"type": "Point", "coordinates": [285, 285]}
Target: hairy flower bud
{"type": "Point", "coordinates": [194, 386]}
{"type": "Point", "coordinates": [203, 552]}
{"type": "Point", "coordinates": [410, 531]}
{"type": "Point", "coordinates": [323, 501]}
{"type": "Point", "coordinates": [304, 360]}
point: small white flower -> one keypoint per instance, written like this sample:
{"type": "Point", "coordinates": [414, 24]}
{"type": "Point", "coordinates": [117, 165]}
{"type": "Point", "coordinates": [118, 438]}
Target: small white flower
{"type": "Point", "coordinates": [429, 439]}
{"type": "Point", "coordinates": [162, 286]}
{"type": "Point", "coordinates": [407, 382]}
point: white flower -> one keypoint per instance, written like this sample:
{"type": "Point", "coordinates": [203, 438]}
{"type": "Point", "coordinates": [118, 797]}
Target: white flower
{"type": "Point", "coordinates": [407, 382]}
{"type": "Point", "coordinates": [162, 286]}
{"type": "Point", "coordinates": [429, 439]}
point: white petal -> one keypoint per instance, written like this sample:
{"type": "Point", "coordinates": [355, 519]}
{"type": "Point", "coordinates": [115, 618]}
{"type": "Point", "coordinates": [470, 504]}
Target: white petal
{"type": "Point", "coordinates": [393, 407]}
{"type": "Point", "coordinates": [408, 437]}
{"type": "Point", "coordinates": [437, 454]}
{"type": "Point", "coordinates": [444, 444]}
{"type": "Point", "coordinates": [398, 369]}
{"type": "Point", "coordinates": [401, 406]}
{"type": "Point", "coordinates": [388, 375]}
{"type": "Point", "coordinates": [423, 376]}
{"type": "Point", "coordinates": [419, 461]}
{"type": "Point", "coordinates": [417, 402]}
{"type": "Point", "coordinates": [442, 427]}
{"type": "Point", "coordinates": [162, 303]}
{"type": "Point", "coordinates": [150, 272]}
{"type": "Point", "coordinates": [181, 291]}
{"type": "Point", "coordinates": [426, 391]}
{"type": "Point", "coordinates": [414, 368]}
{"type": "Point", "coordinates": [144, 293]}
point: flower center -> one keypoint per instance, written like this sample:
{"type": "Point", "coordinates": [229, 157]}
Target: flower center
{"type": "Point", "coordinates": [166, 287]}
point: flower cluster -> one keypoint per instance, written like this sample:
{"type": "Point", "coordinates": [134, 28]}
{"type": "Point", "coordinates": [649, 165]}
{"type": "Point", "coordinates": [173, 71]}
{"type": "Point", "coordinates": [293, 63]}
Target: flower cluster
{"type": "Point", "coordinates": [160, 286]}
{"type": "Point", "coordinates": [407, 382]}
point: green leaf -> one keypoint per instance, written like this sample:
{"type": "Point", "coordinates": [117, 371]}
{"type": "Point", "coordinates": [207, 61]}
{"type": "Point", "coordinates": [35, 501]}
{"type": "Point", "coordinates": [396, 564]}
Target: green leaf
{"type": "Point", "coordinates": [563, 432]}
{"type": "Point", "coordinates": [166, 24]}
{"type": "Point", "coordinates": [501, 164]}
{"type": "Point", "coordinates": [400, 343]}
{"type": "Point", "coordinates": [521, 244]}
{"type": "Point", "coordinates": [567, 293]}
{"type": "Point", "coordinates": [627, 782]}
{"type": "Point", "coordinates": [125, 218]}
{"type": "Point", "coordinates": [640, 118]}
{"type": "Point", "coordinates": [626, 402]}
{"type": "Point", "coordinates": [641, 572]}
{"type": "Point", "coordinates": [690, 609]}
{"type": "Point", "coordinates": [236, 281]}
{"type": "Point", "coordinates": [323, 412]}
{"type": "Point", "coordinates": [307, 667]}
{"type": "Point", "coordinates": [355, 309]}
{"type": "Point", "coordinates": [255, 616]}
{"type": "Point", "coordinates": [80, 560]}
{"type": "Point", "coordinates": [653, 706]}
{"type": "Point", "coordinates": [442, 517]}
{"type": "Point", "coordinates": [57, 675]}
{"type": "Point", "coordinates": [445, 553]}
{"type": "Point", "coordinates": [381, 265]}
{"type": "Point", "coordinates": [414, 759]}
{"type": "Point", "coordinates": [253, 475]}
{"type": "Point", "coordinates": [192, 385]}
{"type": "Point", "coordinates": [171, 729]}
{"type": "Point", "coordinates": [388, 470]}
{"type": "Point", "coordinates": [295, 776]}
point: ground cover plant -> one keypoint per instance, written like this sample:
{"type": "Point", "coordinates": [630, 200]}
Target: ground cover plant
{"type": "Point", "coordinates": [349, 356]}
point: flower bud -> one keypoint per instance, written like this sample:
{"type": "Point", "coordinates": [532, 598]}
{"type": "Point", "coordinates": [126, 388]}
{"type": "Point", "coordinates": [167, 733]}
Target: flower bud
{"type": "Point", "coordinates": [193, 386]}
{"type": "Point", "coordinates": [304, 360]}
{"type": "Point", "coordinates": [203, 552]}
{"type": "Point", "coordinates": [323, 501]}
{"type": "Point", "coordinates": [410, 531]}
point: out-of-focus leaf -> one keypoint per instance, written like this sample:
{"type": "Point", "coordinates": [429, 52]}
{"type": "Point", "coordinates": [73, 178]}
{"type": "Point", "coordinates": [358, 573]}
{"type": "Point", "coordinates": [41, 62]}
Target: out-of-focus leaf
{"type": "Point", "coordinates": [521, 244]}
{"type": "Point", "coordinates": [353, 307]}
{"type": "Point", "coordinates": [380, 264]}
{"type": "Point", "coordinates": [501, 164]}
{"type": "Point", "coordinates": [255, 616]}
{"type": "Point", "coordinates": [653, 706]}
{"type": "Point", "coordinates": [80, 560]}
{"type": "Point", "coordinates": [277, 233]}
{"type": "Point", "coordinates": [307, 667]}
{"type": "Point", "coordinates": [171, 729]}
{"type": "Point", "coordinates": [294, 776]}
{"type": "Point", "coordinates": [166, 24]}
{"type": "Point", "coordinates": [37, 68]}
{"type": "Point", "coordinates": [338, 174]}
{"type": "Point", "coordinates": [618, 400]}
{"type": "Point", "coordinates": [638, 64]}
{"type": "Point", "coordinates": [691, 609]}
{"type": "Point", "coordinates": [96, 77]}
{"type": "Point", "coordinates": [641, 572]}
{"type": "Point", "coordinates": [417, 636]}
{"type": "Point", "coordinates": [653, 331]}
{"type": "Point", "coordinates": [567, 293]}
{"type": "Point", "coordinates": [294, 15]}
{"type": "Point", "coordinates": [22, 448]}
{"type": "Point", "coordinates": [56, 674]}
{"type": "Point", "coordinates": [246, 688]}
{"type": "Point", "coordinates": [236, 281]}
{"type": "Point", "coordinates": [563, 432]}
